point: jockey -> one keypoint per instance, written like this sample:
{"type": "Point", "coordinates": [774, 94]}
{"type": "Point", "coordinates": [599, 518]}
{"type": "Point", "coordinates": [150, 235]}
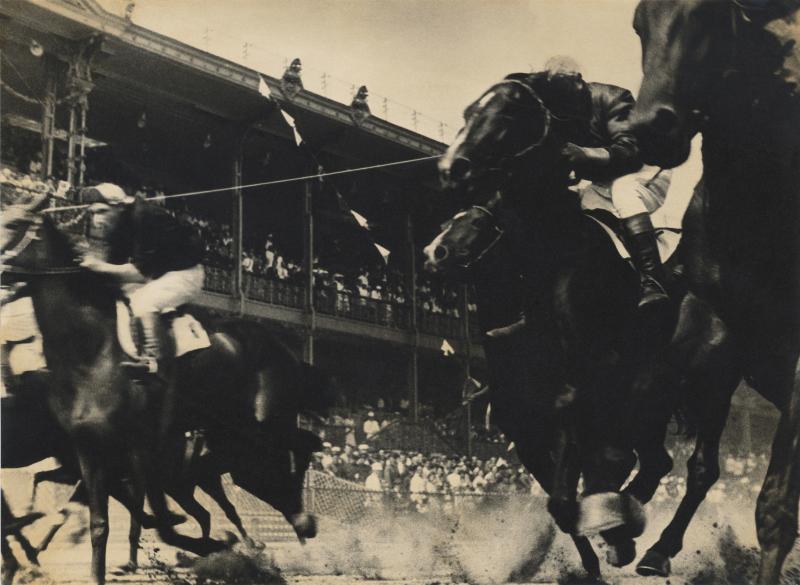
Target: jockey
{"type": "Point", "coordinates": [608, 155]}
{"type": "Point", "coordinates": [145, 246]}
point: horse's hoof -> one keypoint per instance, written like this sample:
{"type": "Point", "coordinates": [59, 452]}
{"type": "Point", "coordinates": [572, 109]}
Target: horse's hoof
{"type": "Point", "coordinates": [128, 568]}
{"type": "Point", "coordinates": [254, 544]}
{"type": "Point", "coordinates": [621, 554]}
{"type": "Point", "coordinates": [610, 510]}
{"type": "Point", "coordinates": [184, 561]}
{"type": "Point", "coordinates": [305, 525]}
{"type": "Point", "coordinates": [230, 539]}
{"type": "Point", "coordinates": [654, 563]}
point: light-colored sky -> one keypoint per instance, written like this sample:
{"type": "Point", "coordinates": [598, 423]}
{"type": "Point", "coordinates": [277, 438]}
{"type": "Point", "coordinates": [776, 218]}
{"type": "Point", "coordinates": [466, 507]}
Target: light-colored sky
{"type": "Point", "coordinates": [434, 56]}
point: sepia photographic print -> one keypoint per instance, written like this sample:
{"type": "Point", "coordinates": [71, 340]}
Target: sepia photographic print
{"type": "Point", "coordinates": [424, 292]}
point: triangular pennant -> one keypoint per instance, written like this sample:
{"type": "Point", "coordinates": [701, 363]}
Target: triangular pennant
{"type": "Point", "coordinates": [447, 349]}
{"type": "Point", "coordinates": [288, 117]}
{"type": "Point", "coordinates": [383, 252]}
{"type": "Point", "coordinates": [263, 88]}
{"type": "Point", "coordinates": [362, 221]}
{"type": "Point", "coordinates": [298, 140]}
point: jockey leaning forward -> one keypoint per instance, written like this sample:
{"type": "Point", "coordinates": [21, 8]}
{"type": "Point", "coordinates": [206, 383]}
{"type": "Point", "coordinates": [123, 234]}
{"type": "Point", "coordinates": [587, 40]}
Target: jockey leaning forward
{"type": "Point", "coordinates": [607, 154]}
{"type": "Point", "coordinates": [148, 247]}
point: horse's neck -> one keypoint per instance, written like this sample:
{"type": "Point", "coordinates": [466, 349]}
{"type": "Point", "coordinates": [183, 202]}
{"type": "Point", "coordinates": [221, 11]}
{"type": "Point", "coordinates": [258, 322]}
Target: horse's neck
{"type": "Point", "coordinates": [73, 328]}
{"type": "Point", "coordinates": [547, 214]}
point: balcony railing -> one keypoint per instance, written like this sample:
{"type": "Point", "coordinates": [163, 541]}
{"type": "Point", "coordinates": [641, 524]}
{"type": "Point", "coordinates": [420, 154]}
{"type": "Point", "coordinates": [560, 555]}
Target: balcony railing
{"type": "Point", "coordinates": [343, 304]}
{"type": "Point", "coordinates": [331, 302]}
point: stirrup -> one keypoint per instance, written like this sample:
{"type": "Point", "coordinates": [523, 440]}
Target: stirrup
{"type": "Point", "coordinates": [653, 293]}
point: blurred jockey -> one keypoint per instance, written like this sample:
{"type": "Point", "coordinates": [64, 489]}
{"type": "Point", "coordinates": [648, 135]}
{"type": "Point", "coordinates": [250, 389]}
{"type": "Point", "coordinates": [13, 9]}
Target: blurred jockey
{"type": "Point", "coordinates": [608, 155]}
{"type": "Point", "coordinates": [148, 246]}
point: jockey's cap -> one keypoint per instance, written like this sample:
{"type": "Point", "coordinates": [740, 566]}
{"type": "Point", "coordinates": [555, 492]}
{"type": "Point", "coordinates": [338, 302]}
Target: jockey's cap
{"type": "Point", "coordinates": [105, 193]}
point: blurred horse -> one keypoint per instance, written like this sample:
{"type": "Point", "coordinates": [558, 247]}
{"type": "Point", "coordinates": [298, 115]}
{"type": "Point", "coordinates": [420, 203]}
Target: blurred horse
{"type": "Point", "coordinates": [731, 71]}
{"type": "Point", "coordinates": [586, 337]}
{"type": "Point", "coordinates": [115, 424]}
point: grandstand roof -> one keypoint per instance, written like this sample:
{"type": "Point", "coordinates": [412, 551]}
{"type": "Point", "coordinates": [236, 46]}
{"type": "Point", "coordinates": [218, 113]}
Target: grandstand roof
{"type": "Point", "coordinates": [145, 68]}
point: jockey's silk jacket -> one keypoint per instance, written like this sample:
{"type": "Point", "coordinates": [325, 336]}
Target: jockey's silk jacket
{"type": "Point", "coordinates": [153, 240]}
{"type": "Point", "coordinates": [609, 128]}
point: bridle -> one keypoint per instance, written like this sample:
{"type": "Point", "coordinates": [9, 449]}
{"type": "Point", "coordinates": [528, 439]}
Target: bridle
{"type": "Point", "coordinates": [31, 235]}
{"type": "Point", "coordinates": [494, 226]}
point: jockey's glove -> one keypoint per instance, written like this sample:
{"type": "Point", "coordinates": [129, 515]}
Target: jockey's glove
{"type": "Point", "coordinates": [583, 159]}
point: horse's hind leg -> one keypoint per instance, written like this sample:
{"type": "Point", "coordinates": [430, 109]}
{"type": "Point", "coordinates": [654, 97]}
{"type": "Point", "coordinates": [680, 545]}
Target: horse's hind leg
{"type": "Point", "coordinates": [776, 512]}
{"type": "Point", "coordinates": [212, 485]}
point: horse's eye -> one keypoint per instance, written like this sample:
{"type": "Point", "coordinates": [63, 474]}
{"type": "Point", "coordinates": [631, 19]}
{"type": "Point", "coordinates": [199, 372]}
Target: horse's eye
{"type": "Point", "coordinates": [477, 222]}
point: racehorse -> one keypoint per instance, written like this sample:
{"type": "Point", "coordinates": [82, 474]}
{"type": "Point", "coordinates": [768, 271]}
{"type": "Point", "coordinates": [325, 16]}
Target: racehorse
{"type": "Point", "coordinates": [586, 337]}
{"type": "Point", "coordinates": [114, 423]}
{"type": "Point", "coordinates": [522, 416]}
{"type": "Point", "coordinates": [731, 71]}
{"type": "Point", "coordinates": [31, 435]}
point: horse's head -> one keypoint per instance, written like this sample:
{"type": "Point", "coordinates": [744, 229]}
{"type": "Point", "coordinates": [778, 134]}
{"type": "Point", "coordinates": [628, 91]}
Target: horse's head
{"type": "Point", "coordinates": [465, 239]}
{"type": "Point", "coordinates": [30, 243]}
{"type": "Point", "coordinates": [688, 48]}
{"type": "Point", "coordinates": [276, 474]}
{"type": "Point", "coordinates": [507, 123]}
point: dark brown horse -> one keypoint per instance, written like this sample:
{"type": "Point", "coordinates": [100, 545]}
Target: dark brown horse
{"type": "Point", "coordinates": [115, 424]}
{"type": "Point", "coordinates": [730, 70]}
{"type": "Point", "coordinates": [586, 338]}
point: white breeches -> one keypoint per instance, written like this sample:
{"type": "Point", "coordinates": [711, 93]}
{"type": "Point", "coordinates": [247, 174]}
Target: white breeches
{"type": "Point", "coordinates": [168, 291]}
{"type": "Point", "coordinates": [641, 192]}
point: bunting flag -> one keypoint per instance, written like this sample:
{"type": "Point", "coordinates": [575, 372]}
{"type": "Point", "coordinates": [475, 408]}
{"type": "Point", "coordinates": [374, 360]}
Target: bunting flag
{"type": "Point", "coordinates": [290, 120]}
{"type": "Point", "coordinates": [383, 252]}
{"type": "Point", "coordinates": [263, 88]}
{"type": "Point", "coordinates": [447, 349]}
{"type": "Point", "coordinates": [362, 221]}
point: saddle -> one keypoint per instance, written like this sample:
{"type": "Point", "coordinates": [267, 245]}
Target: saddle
{"type": "Point", "coordinates": [666, 237]}
{"type": "Point", "coordinates": [180, 332]}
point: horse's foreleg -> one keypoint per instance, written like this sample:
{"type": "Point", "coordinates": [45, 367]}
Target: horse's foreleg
{"type": "Point", "coordinates": [708, 356]}
{"type": "Point", "coordinates": [652, 406]}
{"type": "Point", "coordinates": [562, 504]}
{"type": "Point", "coordinates": [10, 562]}
{"type": "Point", "coordinates": [703, 473]}
{"type": "Point", "coordinates": [184, 496]}
{"type": "Point", "coordinates": [212, 485]}
{"type": "Point", "coordinates": [94, 480]}
{"type": "Point", "coordinates": [776, 512]}
{"type": "Point", "coordinates": [540, 464]}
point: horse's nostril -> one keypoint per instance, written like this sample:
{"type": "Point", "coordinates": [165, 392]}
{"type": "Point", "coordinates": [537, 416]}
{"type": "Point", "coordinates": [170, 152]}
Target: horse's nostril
{"type": "Point", "coordinates": [440, 253]}
{"type": "Point", "coordinates": [665, 120]}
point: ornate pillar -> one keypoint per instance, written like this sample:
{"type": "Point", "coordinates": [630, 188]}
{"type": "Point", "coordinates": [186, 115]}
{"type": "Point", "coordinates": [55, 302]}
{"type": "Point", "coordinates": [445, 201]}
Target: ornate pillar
{"type": "Point", "coordinates": [79, 85]}
{"type": "Point", "coordinates": [308, 267]}
{"type": "Point", "coordinates": [49, 117]}
{"type": "Point", "coordinates": [411, 288]}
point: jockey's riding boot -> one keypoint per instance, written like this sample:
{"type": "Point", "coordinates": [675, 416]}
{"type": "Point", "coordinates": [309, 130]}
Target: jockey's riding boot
{"type": "Point", "coordinates": [151, 342]}
{"type": "Point", "coordinates": [640, 237]}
